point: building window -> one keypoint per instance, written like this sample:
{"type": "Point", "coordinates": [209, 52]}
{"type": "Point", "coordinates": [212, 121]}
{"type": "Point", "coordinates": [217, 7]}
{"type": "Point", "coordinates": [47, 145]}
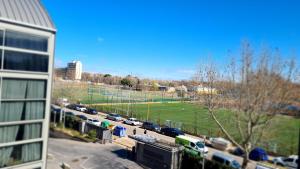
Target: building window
{"type": "Point", "coordinates": [14, 133]}
{"type": "Point", "coordinates": [25, 61]}
{"type": "Point", "coordinates": [26, 41]}
{"type": "Point", "coordinates": [22, 99]}
{"type": "Point", "coordinates": [14, 155]}
{"type": "Point", "coordinates": [1, 37]}
{"type": "Point", "coordinates": [22, 110]}
{"type": "Point", "coordinates": [0, 58]}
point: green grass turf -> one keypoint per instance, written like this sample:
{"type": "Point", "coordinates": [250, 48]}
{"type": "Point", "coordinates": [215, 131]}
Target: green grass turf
{"type": "Point", "coordinates": [282, 134]}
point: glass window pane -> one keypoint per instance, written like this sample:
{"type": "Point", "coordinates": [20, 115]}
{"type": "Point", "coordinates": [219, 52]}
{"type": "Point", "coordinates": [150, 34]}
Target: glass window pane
{"type": "Point", "coordinates": [1, 37]}
{"type": "Point", "coordinates": [26, 41]}
{"type": "Point", "coordinates": [23, 89]}
{"type": "Point", "coordinates": [20, 132]}
{"type": "Point", "coordinates": [0, 58]}
{"type": "Point", "coordinates": [21, 110]}
{"type": "Point", "coordinates": [25, 61]}
{"type": "Point", "coordinates": [14, 155]}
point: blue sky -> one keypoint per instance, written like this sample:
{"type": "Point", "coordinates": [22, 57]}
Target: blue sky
{"type": "Point", "coordinates": [167, 39]}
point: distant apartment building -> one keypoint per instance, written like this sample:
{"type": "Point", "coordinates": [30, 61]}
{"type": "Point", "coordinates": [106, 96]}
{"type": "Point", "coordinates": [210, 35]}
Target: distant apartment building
{"type": "Point", "coordinates": [72, 72]}
{"type": "Point", "coordinates": [27, 37]}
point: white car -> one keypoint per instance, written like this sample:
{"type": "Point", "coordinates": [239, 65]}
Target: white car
{"type": "Point", "coordinates": [62, 102]}
{"type": "Point", "coordinates": [220, 143]}
{"type": "Point", "coordinates": [80, 108]}
{"type": "Point", "coordinates": [290, 162]}
{"type": "Point", "coordinates": [94, 122]}
{"type": "Point", "coordinates": [132, 121]}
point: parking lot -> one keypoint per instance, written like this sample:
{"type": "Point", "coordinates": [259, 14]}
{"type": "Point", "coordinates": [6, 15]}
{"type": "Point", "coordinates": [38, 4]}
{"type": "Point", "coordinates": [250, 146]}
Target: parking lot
{"type": "Point", "coordinates": [129, 130]}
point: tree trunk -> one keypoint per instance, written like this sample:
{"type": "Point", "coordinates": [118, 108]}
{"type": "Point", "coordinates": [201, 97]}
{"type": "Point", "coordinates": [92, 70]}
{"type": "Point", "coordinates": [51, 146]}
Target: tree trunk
{"type": "Point", "coordinates": [245, 160]}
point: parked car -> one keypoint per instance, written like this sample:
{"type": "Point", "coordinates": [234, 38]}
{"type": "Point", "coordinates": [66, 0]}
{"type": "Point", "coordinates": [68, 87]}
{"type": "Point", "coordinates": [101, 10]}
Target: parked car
{"type": "Point", "coordinates": [77, 107]}
{"type": "Point", "coordinates": [237, 151]}
{"type": "Point", "coordinates": [72, 106]}
{"type": "Point", "coordinates": [62, 102]}
{"type": "Point", "coordinates": [291, 161]}
{"type": "Point", "coordinates": [91, 111]}
{"type": "Point", "coordinates": [151, 126]}
{"type": "Point", "coordinates": [172, 132]}
{"type": "Point", "coordinates": [192, 143]}
{"type": "Point", "coordinates": [114, 117]}
{"type": "Point", "coordinates": [82, 117]}
{"type": "Point", "coordinates": [220, 143]}
{"type": "Point", "coordinates": [93, 121]}
{"type": "Point", "coordinates": [225, 160]}
{"type": "Point", "coordinates": [80, 108]}
{"type": "Point", "coordinates": [132, 121]}
{"type": "Point", "coordinates": [68, 113]}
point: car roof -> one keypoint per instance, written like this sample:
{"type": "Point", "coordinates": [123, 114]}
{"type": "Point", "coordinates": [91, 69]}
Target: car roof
{"type": "Point", "coordinates": [188, 138]}
{"type": "Point", "coordinates": [293, 156]}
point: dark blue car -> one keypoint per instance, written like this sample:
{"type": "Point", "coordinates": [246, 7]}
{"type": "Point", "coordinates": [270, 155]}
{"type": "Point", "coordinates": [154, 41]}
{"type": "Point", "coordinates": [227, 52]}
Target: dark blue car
{"type": "Point", "coordinates": [91, 111]}
{"type": "Point", "coordinates": [172, 132]}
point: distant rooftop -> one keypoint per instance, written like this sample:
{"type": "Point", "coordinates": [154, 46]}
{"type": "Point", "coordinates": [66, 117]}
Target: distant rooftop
{"type": "Point", "coordinates": [29, 13]}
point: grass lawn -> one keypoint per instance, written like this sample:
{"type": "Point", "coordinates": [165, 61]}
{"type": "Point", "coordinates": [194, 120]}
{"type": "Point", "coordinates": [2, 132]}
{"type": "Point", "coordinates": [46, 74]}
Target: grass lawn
{"type": "Point", "coordinates": [282, 136]}
{"type": "Point", "coordinates": [90, 94]}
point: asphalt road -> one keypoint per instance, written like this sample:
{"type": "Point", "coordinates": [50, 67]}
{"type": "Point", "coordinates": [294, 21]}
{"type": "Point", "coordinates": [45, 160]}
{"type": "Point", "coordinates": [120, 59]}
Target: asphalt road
{"type": "Point", "coordinates": [129, 131]}
{"type": "Point", "coordinates": [80, 155]}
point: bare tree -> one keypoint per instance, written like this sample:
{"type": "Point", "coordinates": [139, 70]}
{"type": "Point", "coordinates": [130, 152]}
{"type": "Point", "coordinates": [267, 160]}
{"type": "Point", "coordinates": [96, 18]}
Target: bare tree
{"type": "Point", "coordinates": [253, 90]}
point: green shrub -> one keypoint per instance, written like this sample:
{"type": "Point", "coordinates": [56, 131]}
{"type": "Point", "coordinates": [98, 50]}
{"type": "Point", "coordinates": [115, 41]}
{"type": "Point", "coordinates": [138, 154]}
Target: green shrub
{"type": "Point", "coordinates": [72, 122]}
{"type": "Point", "coordinates": [92, 134]}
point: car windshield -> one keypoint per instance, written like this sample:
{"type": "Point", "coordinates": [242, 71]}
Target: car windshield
{"type": "Point", "coordinates": [116, 115]}
{"type": "Point", "coordinates": [200, 144]}
{"type": "Point", "coordinates": [235, 164]}
{"type": "Point", "coordinates": [95, 121]}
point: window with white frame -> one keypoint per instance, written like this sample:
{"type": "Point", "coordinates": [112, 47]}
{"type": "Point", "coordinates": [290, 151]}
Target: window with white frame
{"type": "Point", "coordinates": [23, 99]}
{"type": "Point", "coordinates": [23, 51]}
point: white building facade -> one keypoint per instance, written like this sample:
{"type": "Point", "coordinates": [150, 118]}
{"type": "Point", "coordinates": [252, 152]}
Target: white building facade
{"type": "Point", "coordinates": [27, 38]}
{"type": "Point", "coordinates": [74, 70]}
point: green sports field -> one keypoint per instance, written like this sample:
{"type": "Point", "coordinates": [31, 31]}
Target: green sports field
{"type": "Point", "coordinates": [97, 94]}
{"type": "Point", "coordinates": [281, 137]}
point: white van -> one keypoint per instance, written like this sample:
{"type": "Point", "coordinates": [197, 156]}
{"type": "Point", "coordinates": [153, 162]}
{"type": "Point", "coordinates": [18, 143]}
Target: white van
{"type": "Point", "coordinates": [192, 143]}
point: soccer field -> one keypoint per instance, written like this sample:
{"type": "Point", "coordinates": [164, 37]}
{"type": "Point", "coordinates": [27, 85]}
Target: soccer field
{"type": "Point", "coordinates": [93, 94]}
{"type": "Point", "coordinates": [281, 137]}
